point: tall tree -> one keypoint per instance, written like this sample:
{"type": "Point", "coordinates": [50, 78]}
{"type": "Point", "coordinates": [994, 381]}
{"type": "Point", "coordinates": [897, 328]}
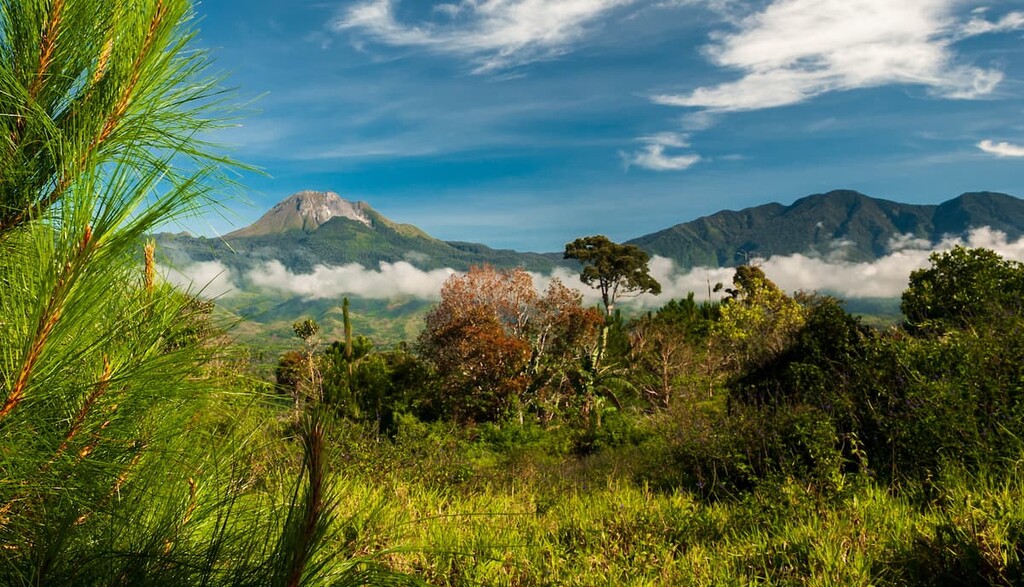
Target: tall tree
{"type": "Point", "coordinates": [614, 270]}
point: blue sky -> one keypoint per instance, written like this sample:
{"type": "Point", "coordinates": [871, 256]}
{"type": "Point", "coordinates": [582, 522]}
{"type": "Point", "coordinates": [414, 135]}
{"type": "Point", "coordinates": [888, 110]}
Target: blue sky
{"type": "Point", "coordinates": [527, 123]}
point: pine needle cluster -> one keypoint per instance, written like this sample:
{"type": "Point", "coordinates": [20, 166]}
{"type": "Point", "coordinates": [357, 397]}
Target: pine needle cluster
{"type": "Point", "coordinates": [124, 458]}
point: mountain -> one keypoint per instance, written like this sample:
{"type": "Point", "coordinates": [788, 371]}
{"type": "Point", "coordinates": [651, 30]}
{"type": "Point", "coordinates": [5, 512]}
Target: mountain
{"type": "Point", "coordinates": [320, 228]}
{"type": "Point", "coordinates": [306, 211]}
{"type": "Point", "coordinates": [841, 223]}
{"type": "Point", "coordinates": [312, 228]}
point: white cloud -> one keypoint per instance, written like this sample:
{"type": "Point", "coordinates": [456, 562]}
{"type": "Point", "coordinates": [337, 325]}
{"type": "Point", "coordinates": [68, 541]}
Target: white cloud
{"type": "Point", "coordinates": [1010, 22]}
{"type": "Point", "coordinates": [493, 33]}
{"type": "Point", "coordinates": [885, 277]}
{"type": "Point", "coordinates": [391, 280]}
{"type": "Point", "coordinates": [208, 279]}
{"type": "Point", "coordinates": [794, 50]}
{"type": "Point", "coordinates": [654, 157]}
{"type": "Point", "coordinates": [1001, 149]}
{"type": "Point", "coordinates": [902, 242]}
{"type": "Point", "coordinates": [667, 139]}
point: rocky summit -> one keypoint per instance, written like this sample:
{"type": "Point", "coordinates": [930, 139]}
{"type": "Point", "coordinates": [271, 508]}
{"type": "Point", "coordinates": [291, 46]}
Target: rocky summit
{"type": "Point", "coordinates": [305, 211]}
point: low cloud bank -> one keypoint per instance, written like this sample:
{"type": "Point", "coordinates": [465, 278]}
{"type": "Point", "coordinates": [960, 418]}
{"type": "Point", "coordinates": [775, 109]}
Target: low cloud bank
{"type": "Point", "coordinates": [884, 277]}
{"type": "Point", "coordinates": [391, 280]}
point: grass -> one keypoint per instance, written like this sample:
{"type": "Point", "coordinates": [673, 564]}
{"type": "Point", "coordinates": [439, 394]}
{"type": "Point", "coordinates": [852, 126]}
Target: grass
{"type": "Point", "coordinates": [573, 521]}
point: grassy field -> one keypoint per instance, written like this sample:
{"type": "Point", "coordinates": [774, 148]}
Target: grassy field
{"type": "Point", "coordinates": [463, 512]}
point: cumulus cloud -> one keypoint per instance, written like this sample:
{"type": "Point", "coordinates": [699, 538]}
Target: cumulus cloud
{"type": "Point", "coordinates": [494, 34]}
{"type": "Point", "coordinates": [391, 280]}
{"type": "Point", "coordinates": [654, 157]}
{"type": "Point", "coordinates": [209, 279]}
{"type": "Point", "coordinates": [793, 50]}
{"type": "Point", "coordinates": [1001, 149]}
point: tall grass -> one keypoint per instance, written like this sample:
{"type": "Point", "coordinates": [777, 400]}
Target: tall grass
{"type": "Point", "coordinates": [498, 525]}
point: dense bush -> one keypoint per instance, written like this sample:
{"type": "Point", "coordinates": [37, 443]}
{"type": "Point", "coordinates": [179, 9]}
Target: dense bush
{"type": "Point", "coordinates": [913, 403]}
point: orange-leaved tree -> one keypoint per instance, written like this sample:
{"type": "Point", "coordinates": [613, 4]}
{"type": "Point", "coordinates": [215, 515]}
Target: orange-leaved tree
{"type": "Point", "coordinates": [500, 346]}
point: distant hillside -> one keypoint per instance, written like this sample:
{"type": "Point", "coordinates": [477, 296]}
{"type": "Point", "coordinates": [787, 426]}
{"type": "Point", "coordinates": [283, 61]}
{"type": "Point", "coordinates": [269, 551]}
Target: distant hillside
{"type": "Point", "coordinates": [313, 228]}
{"type": "Point", "coordinates": [320, 228]}
{"type": "Point", "coordinates": [858, 227]}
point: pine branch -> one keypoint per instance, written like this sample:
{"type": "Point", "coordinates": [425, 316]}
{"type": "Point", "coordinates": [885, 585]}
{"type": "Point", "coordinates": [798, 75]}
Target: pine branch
{"type": "Point", "coordinates": [110, 124]}
{"type": "Point", "coordinates": [47, 320]}
{"type": "Point", "coordinates": [46, 49]}
{"type": "Point", "coordinates": [83, 412]}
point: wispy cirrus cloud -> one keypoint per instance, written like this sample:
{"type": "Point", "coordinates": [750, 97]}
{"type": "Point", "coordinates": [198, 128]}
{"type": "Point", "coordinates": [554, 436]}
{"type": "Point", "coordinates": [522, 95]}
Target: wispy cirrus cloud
{"type": "Point", "coordinates": [794, 50]}
{"type": "Point", "coordinates": [1001, 149]}
{"type": "Point", "coordinates": [494, 34]}
{"type": "Point", "coordinates": [654, 156]}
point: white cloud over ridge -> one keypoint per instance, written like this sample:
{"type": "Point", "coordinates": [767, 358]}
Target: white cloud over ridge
{"type": "Point", "coordinates": [1001, 149]}
{"type": "Point", "coordinates": [493, 33]}
{"type": "Point", "coordinates": [885, 277]}
{"type": "Point", "coordinates": [794, 50]}
{"type": "Point", "coordinates": [654, 157]}
{"type": "Point", "coordinates": [391, 280]}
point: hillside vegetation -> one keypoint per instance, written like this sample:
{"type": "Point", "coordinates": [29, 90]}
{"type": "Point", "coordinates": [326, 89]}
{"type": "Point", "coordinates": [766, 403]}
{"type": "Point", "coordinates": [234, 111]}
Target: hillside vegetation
{"type": "Point", "coordinates": [845, 223]}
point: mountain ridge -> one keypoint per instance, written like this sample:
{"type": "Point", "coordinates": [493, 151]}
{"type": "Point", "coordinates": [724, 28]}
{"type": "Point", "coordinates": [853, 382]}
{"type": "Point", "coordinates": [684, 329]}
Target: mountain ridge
{"type": "Point", "coordinates": [313, 228]}
{"type": "Point", "coordinates": [840, 223]}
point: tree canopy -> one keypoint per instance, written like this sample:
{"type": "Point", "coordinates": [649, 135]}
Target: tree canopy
{"type": "Point", "coordinates": [616, 270]}
{"type": "Point", "coordinates": [963, 287]}
{"type": "Point", "coordinates": [758, 320]}
{"type": "Point", "coordinates": [499, 342]}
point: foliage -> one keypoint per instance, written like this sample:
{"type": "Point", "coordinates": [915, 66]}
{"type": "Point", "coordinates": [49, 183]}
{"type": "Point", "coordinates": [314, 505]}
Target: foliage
{"type": "Point", "coordinates": [668, 350]}
{"type": "Point", "coordinates": [288, 374]}
{"type": "Point", "coordinates": [615, 270]}
{"type": "Point", "coordinates": [963, 288]}
{"type": "Point", "coordinates": [905, 405]}
{"type": "Point", "coordinates": [306, 329]}
{"type": "Point", "coordinates": [500, 345]}
{"type": "Point", "coordinates": [823, 356]}
{"type": "Point", "coordinates": [127, 434]}
{"type": "Point", "coordinates": [758, 320]}
{"type": "Point", "coordinates": [375, 386]}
